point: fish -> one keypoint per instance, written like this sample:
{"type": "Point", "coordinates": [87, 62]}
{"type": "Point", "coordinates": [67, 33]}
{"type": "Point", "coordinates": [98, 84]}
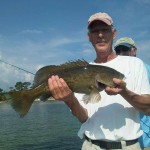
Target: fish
{"type": "Point", "coordinates": [80, 76]}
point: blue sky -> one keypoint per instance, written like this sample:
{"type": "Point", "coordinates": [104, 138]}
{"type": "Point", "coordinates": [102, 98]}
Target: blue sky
{"type": "Point", "coordinates": [35, 33]}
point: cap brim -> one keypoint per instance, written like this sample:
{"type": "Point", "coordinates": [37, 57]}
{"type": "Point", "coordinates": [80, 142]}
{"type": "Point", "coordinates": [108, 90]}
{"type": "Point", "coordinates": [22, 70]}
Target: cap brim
{"type": "Point", "coordinates": [124, 44]}
{"type": "Point", "coordinates": [103, 20]}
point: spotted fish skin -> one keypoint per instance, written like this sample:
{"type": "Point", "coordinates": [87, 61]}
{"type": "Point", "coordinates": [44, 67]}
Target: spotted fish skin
{"type": "Point", "coordinates": [80, 76]}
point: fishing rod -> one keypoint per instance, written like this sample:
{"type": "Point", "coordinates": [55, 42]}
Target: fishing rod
{"type": "Point", "coordinates": [16, 67]}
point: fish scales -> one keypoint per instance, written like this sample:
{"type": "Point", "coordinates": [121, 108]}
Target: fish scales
{"type": "Point", "coordinates": [80, 76]}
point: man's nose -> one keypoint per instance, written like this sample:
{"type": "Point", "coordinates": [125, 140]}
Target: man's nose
{"type": "Point", "coordinates": [100, 34]}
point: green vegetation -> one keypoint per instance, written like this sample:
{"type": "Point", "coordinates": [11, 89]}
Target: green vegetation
{"type": "Point", "coordinates": [2, 95]}
{"type": "Point", "coordinates": [18, 87]}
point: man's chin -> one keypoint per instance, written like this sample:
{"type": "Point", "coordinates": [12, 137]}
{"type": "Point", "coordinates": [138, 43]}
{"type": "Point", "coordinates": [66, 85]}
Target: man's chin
{"type": "Point", "coordinates": [101, 47]}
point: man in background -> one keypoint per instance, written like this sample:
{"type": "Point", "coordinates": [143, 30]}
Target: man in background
{"type": "Point", "coordinates": [127, 47]}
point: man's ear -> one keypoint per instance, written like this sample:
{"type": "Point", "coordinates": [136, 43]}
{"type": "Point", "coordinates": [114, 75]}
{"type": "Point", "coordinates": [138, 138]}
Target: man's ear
{"type": "Point", "coordinates": [134, 51]}
{"type": "Point", "coordinates": [114, 33]}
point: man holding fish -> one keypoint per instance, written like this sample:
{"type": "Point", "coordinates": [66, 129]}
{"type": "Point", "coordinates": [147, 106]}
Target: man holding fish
{"type": "Point", "coordinates": [113, 122]}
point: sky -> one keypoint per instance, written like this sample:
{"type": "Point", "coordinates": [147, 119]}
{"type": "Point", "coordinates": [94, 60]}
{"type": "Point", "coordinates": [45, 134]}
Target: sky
{"type": "Point", "coordinates": [36, 33]}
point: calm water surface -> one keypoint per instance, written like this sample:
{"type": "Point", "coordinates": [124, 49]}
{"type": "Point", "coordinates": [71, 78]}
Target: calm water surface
{"type": "Point", "coordinates": [47, 126]}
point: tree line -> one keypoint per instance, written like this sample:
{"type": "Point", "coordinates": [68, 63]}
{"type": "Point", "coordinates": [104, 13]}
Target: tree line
{"type": "Point", "coordinates": [18, 87]}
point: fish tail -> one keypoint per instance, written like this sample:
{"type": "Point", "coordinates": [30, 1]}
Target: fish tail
{"type": "Point", "coordinates": [21, 101]}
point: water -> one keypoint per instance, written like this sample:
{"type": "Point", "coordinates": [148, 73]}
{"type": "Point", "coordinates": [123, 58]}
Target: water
{"type": "Point", "coordinates": [47, 126]}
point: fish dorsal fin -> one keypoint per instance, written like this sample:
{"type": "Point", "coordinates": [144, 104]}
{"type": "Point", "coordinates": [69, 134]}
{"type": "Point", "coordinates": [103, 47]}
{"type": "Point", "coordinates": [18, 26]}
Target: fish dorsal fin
{"type": "Point", "coordinates": [45, 72]}
{"type": "Point", "coordinates": [73, 64]}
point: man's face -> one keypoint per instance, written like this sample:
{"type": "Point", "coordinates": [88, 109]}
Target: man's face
{"type": "Point", "coordinates": [125, 51]}
{"type": "Point", "coordinates": [101, 36]}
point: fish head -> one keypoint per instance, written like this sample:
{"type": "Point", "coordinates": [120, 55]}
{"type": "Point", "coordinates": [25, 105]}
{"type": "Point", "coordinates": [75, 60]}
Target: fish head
{"type": "Point", "coordinates": [102, 79]}
{"type": "Point", "coordinates": [99, 85]}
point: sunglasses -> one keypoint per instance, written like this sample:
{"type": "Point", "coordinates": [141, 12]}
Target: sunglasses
{"type": "Point", "coordinates": [122, 48]}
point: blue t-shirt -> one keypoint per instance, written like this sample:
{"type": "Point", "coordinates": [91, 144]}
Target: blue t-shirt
{"type": "Point", "coordinates": [148, 70]}
{"type": "Point", "coordinates": [145, 122]}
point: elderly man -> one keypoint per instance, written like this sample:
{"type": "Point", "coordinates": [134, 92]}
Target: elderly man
{"type": "Point", "coordinates": [127, 47]}
{"type": "Point", "coordinates": [113, 122]}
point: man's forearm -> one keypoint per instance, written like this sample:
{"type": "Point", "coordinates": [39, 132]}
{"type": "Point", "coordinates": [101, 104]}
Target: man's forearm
{"type": "Point", "coordinates": [77, 109]}
{"type": "Point", "coordinates": [140, 102]}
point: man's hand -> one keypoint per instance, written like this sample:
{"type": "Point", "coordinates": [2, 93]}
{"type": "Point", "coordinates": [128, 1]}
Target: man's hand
{"type": "Point", "coordinates": [120, 87]}
{"type": "Point", "coordinates": [59, 88]}
{"type": "Point", "coordinates": [60, 91]}
{"type": "Point", "coordinates": [140, 102]}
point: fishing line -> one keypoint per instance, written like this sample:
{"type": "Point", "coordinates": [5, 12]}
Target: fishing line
{"type": "Point", "coordinates": [16, 67]}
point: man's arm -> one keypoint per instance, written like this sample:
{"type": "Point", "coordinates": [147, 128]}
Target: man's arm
{"type": "Point", "coordinates": [140, 102]}
{"type": "Point", "coordinates": [60, 91]}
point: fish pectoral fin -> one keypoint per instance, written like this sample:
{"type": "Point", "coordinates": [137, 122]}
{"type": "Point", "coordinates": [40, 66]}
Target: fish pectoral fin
{"type": "Point", "coordinates": [93, 97]}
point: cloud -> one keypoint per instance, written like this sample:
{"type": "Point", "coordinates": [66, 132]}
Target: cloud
{"type": "Point", "coordinates": [39, 66]}
{"type": "Point", "coordinates": [143, 50]}
{"type": "Point", "coordinates": [60, 41]}
{"type": "Point", "coordinates": [9, 76]}
{"type": "Point", "coordinates": [28, 77]}
{"type": "Point", "coordinates": [143, 33]}
{"type": "Point", "coordinates": [29, 31]}
{"type": "Point", "coordinates": [0, 55]}
{"type": "Point", "coordinates": [143, 1]}
{"type": "Point", "coordinates": [31, 54]}
{"type": "Point", "coordinates": [87, 51]}
{"type": "Point", "coordinates": [144, 46]}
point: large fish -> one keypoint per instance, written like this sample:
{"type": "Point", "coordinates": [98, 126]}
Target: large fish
{"type": "Point", "coordinates": [80, 76]}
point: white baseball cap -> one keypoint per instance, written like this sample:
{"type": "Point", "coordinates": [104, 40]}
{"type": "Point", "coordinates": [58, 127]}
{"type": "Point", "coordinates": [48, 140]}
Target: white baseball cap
{"type": "Point", "coordinates": [104, 17]}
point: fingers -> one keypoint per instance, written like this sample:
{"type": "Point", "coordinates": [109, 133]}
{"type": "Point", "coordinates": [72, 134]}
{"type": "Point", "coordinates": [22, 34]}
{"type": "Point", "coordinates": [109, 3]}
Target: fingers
{"type": "Point", "coordinates": [58, 87]}
{"type": "Point", "coordinates": [119, 83]}
{"type": "Point", "coordinates": [112, 91]}
{"type": "Point", "coordinates": [53, 83]}
{"type": "Point", "coordinates": [120, 86]}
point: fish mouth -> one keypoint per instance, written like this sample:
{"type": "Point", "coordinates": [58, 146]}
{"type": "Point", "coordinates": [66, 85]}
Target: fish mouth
{"type": "Point", "coordinates": [100, 85]}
